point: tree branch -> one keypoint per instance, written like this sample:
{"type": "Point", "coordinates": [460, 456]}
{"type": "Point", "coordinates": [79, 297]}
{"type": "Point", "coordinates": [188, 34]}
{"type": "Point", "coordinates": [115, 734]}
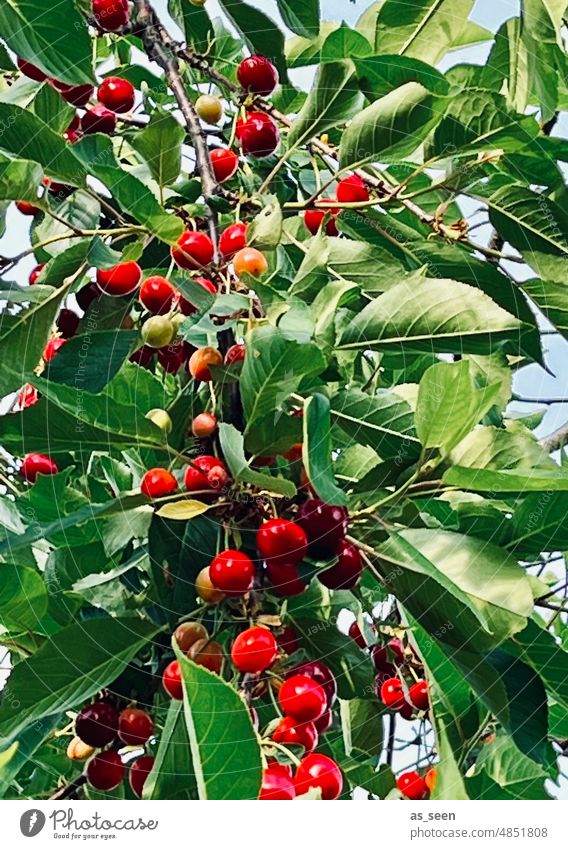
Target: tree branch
{"type": "Point", "coordinates": [555, 440]}
{"type": "Point", "coordinates": [69, 791]}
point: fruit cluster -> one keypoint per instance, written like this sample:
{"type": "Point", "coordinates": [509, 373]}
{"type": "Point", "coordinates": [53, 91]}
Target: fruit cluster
{"type": "Point", "coordinates": [351, 189]}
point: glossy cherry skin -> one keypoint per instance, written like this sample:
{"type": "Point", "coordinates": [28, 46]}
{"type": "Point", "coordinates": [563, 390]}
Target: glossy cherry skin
{"type": "Point", "coordinates": [27, 208]}
{"type": "Point", "coordinates": [67, 323]}
{"type": "Point", "coordinates": [412, 785]}
{"type": "Point", "coordinates": [325, 722]}
{"type": "Point", "coordinates": [347, 571]}
{"type": "Point", "coordinates": [254, 650]}
{"type": "Point", "coordinates": [189, 633]}
{"type": "Point", "coordinates": [111, 15]}
{"type": "Point", "coordinates": [97, 724]}
{"type": "Point", "coordinates": [98, 119]}
{"type": "Point", "coordinates": [322, 674]}
{"type": "Point", "coordinates": [258, 75]}
{"type": "Point", "coordinates": [224, 163]}
{"type": "Point", "coordinates": [250, 261]}
{"type": "Point", "coordinates": [52, 347]}
{"type": "Point", "coordinates": [157, 295]}
{"type": "Point", "coordinates": [31, 71]}
{"type": "Point", "coordinates": [313, 220]}
{"type": "Point", "coordinates": [105, 771]}
{"type": "Point", "coordinates": [430, 779]}
{"type": "Point", "coordinates": [120, 280]}
{"type": "Point", "coordinates": [289, 640]}
{"type": "Point", "coordinates": [235, 354]}
{"type": "Point", "coordinates": [324, 524]}
{"type": "Point", "coordinates": [418, 694]}
{"type": "Point", "coordinates": [28, 396]}
{"type": "Point", "coordinates": [157, 483]}
{"type": "Point", "coordinates": [280, 541]}
{"type": "Point", "coordinates": [284, 579]}
{"type": "Point", "coordinates": [86, 295]}
{"type": "Point", "coordinates": [209, 654]}
{"type": "Point", "coordinates": [352, 190]}
{"type": "Point", "coordinates": [172, 357]}
{"type": "Point", "coordinates": [116, 94]}
{"type": "Point", "coordinates": [392, 693]}
{"type": "Point", "coordinates": [37, 464]}
{"type": "Point", "coordinates": [196, 475]}
{"type": "Point", "coordinates": [77, 95]}
{"type": "Point", "coordinates": [172, 681]}
{"type": "Point", "coordinates": [276, 785]}
{"type": "Point", "coordinates": [139, 772]}
{"type": "Point", "coordinates": [357, 635]}
{"type": "Point", "coordinates": [135, 726]}
{"type": "Point", "coordinates": [302, 698]}
{"type": "Point", "coordinates": [289, 732]}
{"type": "Point", "coordinates": [232, 572]}
{"type": "Point", "coordinates": [193, 250]}
{"type": "Point", "coordinates": [233, 239]}
{"type": "Point", "coordinates": [385, 657]}
{"type": "Point", "coordinates": [35, 273]}
{"type": "Point", "coordinates": [319, 771]}
{"type": "Point", "coordinates": [204, 425]}
{"type": "Point", "coordinates": [258, 134]}
{"type": "Point", "coordinates": [201, 361]}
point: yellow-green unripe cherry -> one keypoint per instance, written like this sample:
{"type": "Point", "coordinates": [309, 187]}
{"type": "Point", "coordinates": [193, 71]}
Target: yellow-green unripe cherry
{"type": "Point", "coordinates": [160, 418]}
{"type": "Point", "coordinates": [158, 331]}
{"type": "Point", "coordinates": [209, 108]}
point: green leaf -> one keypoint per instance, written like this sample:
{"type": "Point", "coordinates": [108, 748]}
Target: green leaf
{"type": "Point", "coordinates": [302, 18]}
{"type": "Point", "coordinates": [503, 773]}
{"type": "Point", "coordinates": [59, 43]}
{"type": "Point", "coordinates": [79, 210]}
{"type": "Point", "coordinates": [539, 650]}
{"type": "Point", "coordinates": [383, 421]}
{"type": "Point", "coordinates": [19, 179]}
{"type": "Point", "coordinates": [172, 776]}
{"type": "Point", "coordinates": [394, 125]}
{"type": "Point", "coordinates": [49, 105]}
{"type": "Point", "coordinates": [552, 299]}
{"type": "Point", "coordinates": [183, 510]}
{"type": "Point", "coordinates": [15, 758]}
{"type": "Point", "coordinates": [344, 43]}
{"type": "Point", "coordinates": [333, 99]}
{"type": "Point", "coordinates": [317, 450]}
{"type": "Point", "coordinates": [221, 736]}
{"type": "Point", "coordinates": [379, 75]}
{"type": "Point", "coordinates": [194, 21]}
{"type": "Point", "coordinates": [233, 451]}
{"type": "Point", "coordinates": [259, 32]}
{"type": "Point", "coordinates": [538, 523]}
{"type": "Point", "coordinates": [160, 144]}
{"type": "Point", "coordinates": [528, 220]}
{"type": "Point", "coordinates": [362, 727]}
{"type": "Point", "coordinates": [265, 230]}
{"type": "Point", "coordinates": [92, 359]}
{"type": "Point", "coordinates": [23, 598]}
{"type": "Point", "coordinates": [69, 668]}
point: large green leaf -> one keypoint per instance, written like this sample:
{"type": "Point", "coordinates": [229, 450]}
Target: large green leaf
{"type": "Point", "coordinates": [234, 454]}
{"type": "Point", "coordinates": [69, 668]}
{"type": "Point", "coordinates": [259, 32]}
{"type": "Point", "coordinates": [19, 179]}
{"type": "Point", "coordinates": [383, 421]}
{"type": "Point", "coordinates": [378, 75]}
{"type": "Point", "coordinates": [317, 450]}
{"type": "Point", "coordinates": [160, 145]}
{"type": "Point", "coordinates": [539, 523]}
{"type": "Point", "coordinates": [172, 776]}
{"type": "Point", "coordinates": [195, 22]}
{"type": "Point", "coordinates": [20, 753]}
{"type": "Point", "coordinates": [503, 773]}
{"type": "Point", "coordinates": [92, 358]}
{"type": "Point", "coordinates": [302, 18]}
{"type": "Point", "coordinates": [333, 98]}
{"type": "Point", "coordinates": [551, 298]}
{"type": "Point", "coordinates": [23, 597]}
{"type": "Point", "coordinates": [539, 650]}
{"type": "Point", "coordinates": [528, 220]}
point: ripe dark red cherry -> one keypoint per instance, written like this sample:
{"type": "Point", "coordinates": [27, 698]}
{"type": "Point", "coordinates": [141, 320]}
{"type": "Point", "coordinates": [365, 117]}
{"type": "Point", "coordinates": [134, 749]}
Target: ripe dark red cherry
{"type": "Point", "coordinates": [258, 134]}
{"type": "Point", "coordinates": [319, 771]}
{"type": "Point", "coordinates": [289, 732]}
{"type": "Point", "coordinates": [235, 354]}
{"type": "Point", "coordinates": [172, 357]}
{"type": "Point", "coordinates": [322, 674]}
{"type": "Point", "coordinates": [172, 681]}
{"type": "Point", "coordinates": [35, 273]}
{"type": "Point", "coordinates": [97, 724]}
{"type": "Point", "coordinates": [302, 698]}
{"type": "Point", "coordinates": [232, 572]}
{"type": "Point", "coordinates": [120, 280]}
{"type": "Point", "coordinates": [288, 640]}
{"type": "Point", "coordinates": [418, 694]}
{"type": "Point", "coordinates": [280, 542]}
{"type": "Point", "coordinates": [193, 250]}
{"type": "Point", "coordinates": [325, 722]}
{"type": "Point", "coordinates": [86, 295]}
{"type": "Point", "coordinates": [313, 219]}
{"type": "Point", "coordinates": [37, 464]}
{"type": "Point", "coordinates": [385, 657]}
{"type": "Point", "coordinates": [392, 693]}
{"type": "Point", "coordinates": [158, 482]}
{"type": "Point", "coordinates": [233, 239]}
{"type": "Point", "coordinates": [98, 119]}
{"type": "Point", "coordinates": [346, 572]}
{"type": "Point", "coordinates": [188, 308]}
{"type": "Point", "coordinates": [357, 635]}
{"type": "Point", "coordinates": [105, 771]}
{"type": "Point", "coordinates": [254, 650]}
{"type": "Point", "coordinates": [111, 15]}
{"type": "Point", "coordinates": [116, 94]}
{"type": "Point", "coordinates": [139, 772]}
{"type": "Point", "coordinates": [196, 475]}
{"type": "Point", "coordinates": [224, 163]}
{"type": "Point", "coordinates": [258, 75]}
{"type": "Point", "coordinates": [135, 726]}
{"type": "Point", "coordinates": [27, 208]}
{"type": "Point", "coordinates": [276, 785]}
{"type": "Point", "coordinates": [157, 295]}
{"type": "Point", "coordinates": [412, 785]}
{"type": "Point", "coordinates": [67, 323]}
{"type": "Point", "coordinates": [52, 348]}
{"type": "Point", "coordinates": [31, 71]}
{"type": "Point", "coordinates": [324, 524]}
{"type": "Point", "coordinates": [77, 95]}
{"type": "Point", "coordinates": [352, 190]}
{"type": "Point", "coordinates": [284, 579]}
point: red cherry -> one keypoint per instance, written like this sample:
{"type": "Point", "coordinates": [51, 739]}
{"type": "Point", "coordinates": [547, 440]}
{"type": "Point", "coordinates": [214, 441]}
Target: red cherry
{"type": "Point", "coordinates": [276, 784]}
{"type": "Point", "coordinates": [352, 190]}
{"type": "Point", "coordinates": [224, 163]}
{"type": "Point", "coordinates": [157, 295]}
{"type": "Point", "coordinates": [158, 482]}
{"type": "Point", "coordinates": [289, 732]}
{"type": "Point", "coordinates": [111, 15]}
{"type": "Point", "coordinates": [139, 772]}
{"type": "Point", "coordinates": [288, 640]}
{"type": "Point", "coordinates": [254, 650]}
{"type": "Point", "coordinates": [172, 681]}
{"type": "Point", "coordinates": [28, 396]}
{"type": "Point", "coordinates": [27, 208]}
{"type": "Point", "coordinates": [302, 698]}
{"type": "Point", "coordinates": [186, 306]}
{"type": "Point", "coordinates": [324, 524]}
{"type": "Point", "coordinates": [35, 273]}
{"type": "Point", "coordinates": [313, 219]}
{"type": "Point", "coordinates": [67, 323]}
{"type": "Point", "coordinates": [322, 674]}
{"type": "Point", "coordinates": [52, 348]}
{"type": "Point", "coordinates": [258, 134]}
{"type": "Point", "coordinates": [135, 726]}
{"type": "Point", "coordinates": [385, 657]}
{"type": "Point", "coordinates": [31, 71]}
{"type": "Point", "coordinates": [78, 95]}
{"type": "Point", "coordinates": [280, 541]}
{"type": "Point", "coordinates": [171, 357]}
{"type": "Point", "coordinates": [116, 94]}
{"type": "Point", "coordinates": [105, 771]}
{"type": "Point", "coordinates": [37, 464]}
{"type": "Point", "coordinates": [193, 250]}
{"type": "Point", "coordinates": [419, 695]}
{"type": "Point", "coordinates": [412, 785]}
{"type": "Point", "coordinates": [120, 280]}
{"type": "Point", "coordinates": [232, 572]}
{"type": "Point", "coordinates": [258, 75]}
{"type": "Point", "coordinates": [321, 772]}
{"type": "Point", "coordinates": [406, 711]}
{"type": "Point", "coordinates": [235, 354]}
{"type": "Point", "coordinates": [86, 295]}
{"type": "Point", "coordinates": [233, 239]}
{"type": "Point", "coordinates": [285, 579]}
{"type": "Point", "coordinates": [347, 571]}
{"type": "Point", "coordinates": [357, 635]}
{"type": "Point", "coordinates": [392, 693]}
{"type": "Point", "coordinates": [98, 119]}
{"type": "Point", "coordinates": [324, 723]}
{"type": "Point", "coordinates": [97, 724]}
{"type": "Point", "coordinates": [196, 474]}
